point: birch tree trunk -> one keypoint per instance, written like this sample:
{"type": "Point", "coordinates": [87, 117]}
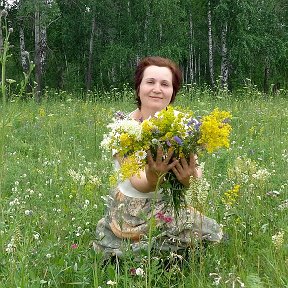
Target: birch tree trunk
{"type": "Point", "coordinates": [1, 35]}
{"type": "Point", "coordinates": [224, 60]}
{"type": "Point", "coordinates": [90, 59]}
{"type": "Point", "coordinates": [37, 60]}
{"type": "Point", "coordinates": [23, 53]}
{"type": "Point", "coordinates": [210, 46]}
{"type": "Point", "coordinates": [191, 55]}
{"type": "Point", "coordinates": [266, 78]}
{"type": "Point", "coordinates": [146, 29]}
{"type": "Point", "coordinates": [40, 51]}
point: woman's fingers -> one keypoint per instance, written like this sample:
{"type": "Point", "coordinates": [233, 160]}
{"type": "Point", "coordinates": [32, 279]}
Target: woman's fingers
{"type": "Point", "coordinates": [159, 155]}
{"type": "Point", "coordinates": [150, 159]}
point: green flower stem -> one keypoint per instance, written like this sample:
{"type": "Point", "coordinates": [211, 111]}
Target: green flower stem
{"type": "Point", "coordinates": [151, 230]}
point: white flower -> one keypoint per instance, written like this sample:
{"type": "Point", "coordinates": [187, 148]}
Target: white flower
{"type": "Point", "coordinates": [261, 174]}
{"type": "Point", "coordinates": [139, 271]}
{"type": "Point", "coordinates": [10, 247]}
{"type": "Point", "coordinates": [141, 155]}
{"type": "Point", "coordinates": [36, 236]}
{"type": "Point", "coordinates": [28, 212]}
{"type": "Point", "coordinates": [110, 282]}
{"type": "Point", "coordinates": [155, 141]}
{"type": "Point", "coordinates": [48, 255]}
{"type": "Point", "coordinates": [278, 239]}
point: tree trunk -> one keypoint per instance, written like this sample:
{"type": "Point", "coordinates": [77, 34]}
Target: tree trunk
{"type": "Point", "coordinates": [191, 55]}
{"type": "Point", "coordinates": [210, 47]}
{"type": "Point", "coordinates": [38, 75]}
{"type": "Point", "coordinates": [24, 54]}
{"type": "Point", "coordinates": [1, 35]}
{"type": "Point", "coordinates": [40, 52]}
{"type": "Point", "coordinates": [146, 29]}
{"type": "Point", "coordinates": [224, 54]}
{"type": "Point", "coordinates": [265, 80]}
{"type": "Point", "coordinates": [90, 59]}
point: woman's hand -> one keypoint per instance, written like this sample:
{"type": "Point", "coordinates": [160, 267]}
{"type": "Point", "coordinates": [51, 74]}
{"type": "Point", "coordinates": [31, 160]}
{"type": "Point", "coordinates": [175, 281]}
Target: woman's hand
{"type": "Point", "coordinates": [160, 166]}
{"type": "Point", "coordinates": [184, 170]}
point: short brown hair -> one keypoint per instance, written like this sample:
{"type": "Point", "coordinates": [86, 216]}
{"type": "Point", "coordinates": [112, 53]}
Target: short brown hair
{"type": "Point", "coordinates": [161, 62]}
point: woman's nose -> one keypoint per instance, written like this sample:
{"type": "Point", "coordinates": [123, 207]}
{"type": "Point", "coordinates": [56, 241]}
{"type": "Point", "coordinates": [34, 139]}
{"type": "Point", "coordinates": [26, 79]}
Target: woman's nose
{"type": "Point", "coordinates": [156, 88]}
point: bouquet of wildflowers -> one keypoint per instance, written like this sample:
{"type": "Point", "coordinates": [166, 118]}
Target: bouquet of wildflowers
{"type": "Point", "coordinates": [170, 129]}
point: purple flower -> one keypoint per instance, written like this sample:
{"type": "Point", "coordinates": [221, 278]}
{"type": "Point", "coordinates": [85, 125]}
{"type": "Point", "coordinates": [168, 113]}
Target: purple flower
{"type": "Point", "coordinates": [168, 143]}
{"type": "Point", "coordinates": [178, 140]}
{"type": "Point", "coordinates": [119, 115]}
{"type": "Point", "coordinates": [194, 122]}
{"type": "Point", "coordinates": [197, 126]}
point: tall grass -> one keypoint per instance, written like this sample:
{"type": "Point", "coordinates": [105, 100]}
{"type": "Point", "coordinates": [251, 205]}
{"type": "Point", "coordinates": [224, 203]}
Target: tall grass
{"type": "Point", "coordinates": [54, 178]}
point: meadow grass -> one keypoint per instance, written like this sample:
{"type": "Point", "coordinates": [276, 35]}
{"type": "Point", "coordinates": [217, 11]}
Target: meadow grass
{"type": "Point", "coordinates": [54, 178]}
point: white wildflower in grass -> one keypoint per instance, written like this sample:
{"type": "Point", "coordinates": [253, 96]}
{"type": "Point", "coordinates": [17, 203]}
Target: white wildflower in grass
{"type": "Point", "coordinates": [216, 278]}
{"type": "Point", "coordinates": [139, 272]}
{"type": "Point", "coordinates": [278, 239]}
{"type": "Point", "coordinates": [84, 177]}
{"type": "Point", "coordinates": [111, 283]}
{"type": "Point", "coordinates": [283, 205]}
{"type": "Point", "coordinates": [285, 155]}
{"type": "Point", "coordinates": [15, 202]}
{"type": "Point", "coordinates": [36, 236]}
{"type": "Point", "coordinates": [48, 256]}
{"type": "Point", "coordinates": [234, 281]}
{"type": "Point", "coordinates": [28, 212]}
{"type": "Point", "coordinates": [273, 193]}
{"type": "Point", "coordinates": [197, 193]}
{"type": "Point", "coordinates": [247, 171]}
{"type": "Point", "coordinates": [11, 247]}
{"type": "Point", "coordinates": [261, 174]}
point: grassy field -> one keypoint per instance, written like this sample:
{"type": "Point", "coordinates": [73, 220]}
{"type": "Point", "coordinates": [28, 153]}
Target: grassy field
{"type": "Point", "coordinates": [53, 178]}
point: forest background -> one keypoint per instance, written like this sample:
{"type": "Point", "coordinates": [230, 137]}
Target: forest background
{"type": "Point", "coordinates": [94, 45]}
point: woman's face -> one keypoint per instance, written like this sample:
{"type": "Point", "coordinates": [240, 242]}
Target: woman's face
{"type": "Point", "coordinates": [156, 88]}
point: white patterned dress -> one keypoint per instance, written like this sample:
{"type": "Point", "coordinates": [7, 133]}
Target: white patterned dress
{"type": "Point", "coordinates": [132, 216]}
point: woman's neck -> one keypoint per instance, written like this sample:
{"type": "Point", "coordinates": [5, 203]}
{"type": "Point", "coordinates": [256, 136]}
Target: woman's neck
{"type": "Point", "coordinates": [144, 114]}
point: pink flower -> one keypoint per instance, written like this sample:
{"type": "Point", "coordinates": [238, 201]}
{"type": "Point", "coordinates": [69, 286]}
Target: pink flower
{"type": "Point", "coordinates": [168, 219]}
{"type": "Point", "coordinates": [133, 271]}
{"type": "Point", "coordinates": [161, 216]}
{"type": "Point", "coordinates": [74, 246]}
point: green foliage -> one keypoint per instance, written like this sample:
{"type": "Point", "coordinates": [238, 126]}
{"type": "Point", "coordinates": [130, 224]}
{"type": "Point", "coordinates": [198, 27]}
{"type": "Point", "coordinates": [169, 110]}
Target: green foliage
{"type": "Point", "coordinates": [256, 39]}
{"type": "Point", "coordinates": [53, 175]}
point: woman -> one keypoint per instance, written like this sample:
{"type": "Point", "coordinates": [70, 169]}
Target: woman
{"type": "Point", "coordinates": [133, 203]}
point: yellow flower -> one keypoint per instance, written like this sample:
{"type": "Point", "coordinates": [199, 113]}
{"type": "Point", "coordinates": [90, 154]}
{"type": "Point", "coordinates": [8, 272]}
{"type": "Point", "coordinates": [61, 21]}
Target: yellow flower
{"type": "Point", "coordinates": [230, 197]}
{"type": "Point", "coordinates": [129, 167]}
{"type": "Point", "coordinates": [42, 112]}
{"type": "Point", "coordinates": [125, 140]}
{"type": "Point", "coordinates": [215, 130]}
